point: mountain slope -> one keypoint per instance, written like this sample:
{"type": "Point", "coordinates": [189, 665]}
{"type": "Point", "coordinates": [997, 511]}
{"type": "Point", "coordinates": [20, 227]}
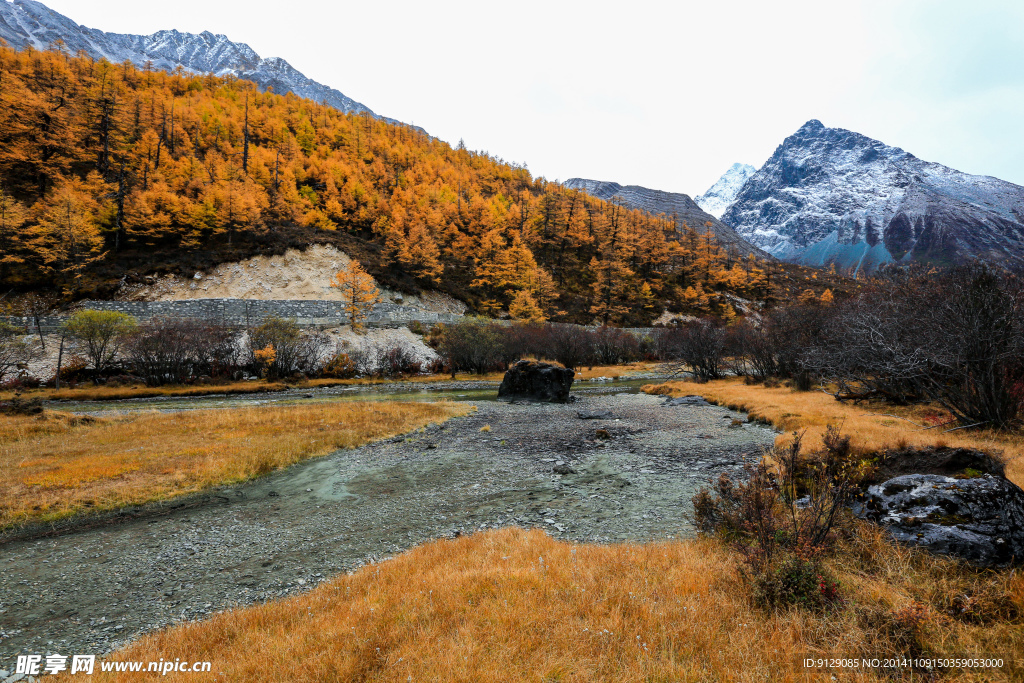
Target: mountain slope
{"type": "Point", "coordinates": [26, 23]}
{"type": "Point", "coordinates": [829, 195]}
{"type": "Point", "coordinates": [672, 204]}
{"type": "Point", "coordinates": [110, 176]}
{"type": "Point", "coordinates": [723, 193]}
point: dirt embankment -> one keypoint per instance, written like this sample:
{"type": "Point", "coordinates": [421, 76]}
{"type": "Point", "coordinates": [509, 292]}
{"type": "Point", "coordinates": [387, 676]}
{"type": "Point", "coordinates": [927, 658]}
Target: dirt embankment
{"type": "Point", "coordinates": [297, 274]}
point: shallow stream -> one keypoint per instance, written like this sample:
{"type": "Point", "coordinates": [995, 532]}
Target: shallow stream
{"type": "Point", "coordinates": [398, 391]}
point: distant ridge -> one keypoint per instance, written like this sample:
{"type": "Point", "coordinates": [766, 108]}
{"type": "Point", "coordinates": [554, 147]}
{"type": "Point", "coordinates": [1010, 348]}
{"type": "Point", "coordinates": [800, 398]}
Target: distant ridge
{"type": "Point", "coordinates": [27, 23]}
{"type": "Point", "coordinates": [672, 204]}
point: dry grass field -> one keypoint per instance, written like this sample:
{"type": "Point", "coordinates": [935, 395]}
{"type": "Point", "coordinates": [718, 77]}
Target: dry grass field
{"type": "Point", "coordinates": [89, 392]}
{"type": "Point", "coordinates": [55, 465]}
{"type": "Point", "coordinates": [871, 427]}
{"type": "Point", "coordinates": [515, 605]}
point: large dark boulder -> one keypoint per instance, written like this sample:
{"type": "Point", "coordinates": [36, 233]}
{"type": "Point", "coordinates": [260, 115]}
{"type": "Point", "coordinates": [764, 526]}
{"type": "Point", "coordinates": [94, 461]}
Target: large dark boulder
{"type": "Point", "coordinates": [533, 381]}
{"type": "Point", "coordinates": [978, 518]}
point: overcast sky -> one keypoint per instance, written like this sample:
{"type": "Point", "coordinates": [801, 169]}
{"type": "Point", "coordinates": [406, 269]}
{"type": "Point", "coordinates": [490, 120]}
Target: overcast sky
{"type": "Point", "coordinates": [661, 94]}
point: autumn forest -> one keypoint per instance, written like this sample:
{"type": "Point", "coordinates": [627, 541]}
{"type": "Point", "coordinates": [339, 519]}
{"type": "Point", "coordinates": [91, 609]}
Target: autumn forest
{"type": "Point", "coordinates": [109, 172]}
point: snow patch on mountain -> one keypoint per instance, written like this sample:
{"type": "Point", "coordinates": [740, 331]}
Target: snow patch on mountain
{"type": "Point", "coordinates": [829, 195]}
{"type": "Point", "coordinates": [27, 23]}
{"type": "Point", "coordinates": [721, 195]}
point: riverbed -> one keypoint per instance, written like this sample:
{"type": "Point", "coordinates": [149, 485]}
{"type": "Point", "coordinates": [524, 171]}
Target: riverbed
{"type": "Point", "coordinates": [628, 476]}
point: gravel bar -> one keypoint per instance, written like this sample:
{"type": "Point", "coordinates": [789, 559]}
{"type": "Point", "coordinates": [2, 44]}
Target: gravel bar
{"type": "Point", "coordinates": [625, 476]}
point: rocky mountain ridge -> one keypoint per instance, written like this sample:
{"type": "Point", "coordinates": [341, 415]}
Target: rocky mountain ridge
{"type": "Point", "coordinates": [833, 196]}
{"type": "Point", "coordinates": [722, 194]}
{"type": "Point", "coordinates": [27, 23]}
{"type": "Point", "coordinates": [672, 204]}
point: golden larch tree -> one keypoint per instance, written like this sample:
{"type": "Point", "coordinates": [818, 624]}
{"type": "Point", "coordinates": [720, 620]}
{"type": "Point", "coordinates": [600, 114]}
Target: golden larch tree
{"type": "Point", "coordinates": [524, 307]}
{"type": "Point", "coordinates": [358, 292]}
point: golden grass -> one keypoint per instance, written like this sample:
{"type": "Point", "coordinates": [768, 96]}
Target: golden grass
{"type": "Point", "coordinates": [616, 371]}
{"type": "Point", "coordinates": [104, 393]}
{"type": "Point", "coordinates": [870, 427]}
{"type": "Point", "coordinates": [516, 605]}
{"type": "Point", "coordinates": [56, 465]}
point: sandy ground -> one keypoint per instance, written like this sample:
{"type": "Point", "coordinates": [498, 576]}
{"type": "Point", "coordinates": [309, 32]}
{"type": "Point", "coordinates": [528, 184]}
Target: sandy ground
{"type": "Point", "coordinates": [93, 590]}
{"type": "Point", "coordinates": [298, 274]}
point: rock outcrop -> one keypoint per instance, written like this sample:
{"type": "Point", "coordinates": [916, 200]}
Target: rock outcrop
{"type": "Point", "coordinates": [692, 400]}
{"type": "Point", "coordinates": [977, 518]}
{"type": "Point", "coordinates": [529, 380]}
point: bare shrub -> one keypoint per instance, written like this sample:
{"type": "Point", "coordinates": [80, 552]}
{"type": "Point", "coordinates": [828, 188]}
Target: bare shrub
{"type": "Point", "coordinates": [471, 345]}
{"type": "Point", "coordinates": [697, 348]}
{"type": "Point", "coordinates": [783, 520]}
{"type": "Point", "coordinates": [956, 338]}
{"type": "Point", "coordinates": [295, 350]}
{"type": "Point", "coordinates": [569, 345]}
{"type": "Point", "coordinates": [364, 360]}
{"type": "Point", "coordinates": [176, 350]}
{"type": "Point", "coordinates": [396, 361]}
{"type": "Point", "coordinates": [612, 346]}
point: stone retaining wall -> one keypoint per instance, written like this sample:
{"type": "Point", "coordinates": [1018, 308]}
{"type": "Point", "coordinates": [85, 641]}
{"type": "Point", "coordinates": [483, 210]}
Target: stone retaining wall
{"type": "Point", "coordinates": [243, 313]}
{"type": "Point", "coordinates": [246, 312]}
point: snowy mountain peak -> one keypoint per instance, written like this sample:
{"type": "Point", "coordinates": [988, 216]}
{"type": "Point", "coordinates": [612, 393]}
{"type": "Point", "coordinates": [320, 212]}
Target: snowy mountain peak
{"type": "Point", "coordinates": [27, 23]}
{"type": "Point", "coordinates": [829, 195]}
{"type": "Point", "coordinates": [720, 195]}
{"type": "Point", "coordinates": [811, 127]}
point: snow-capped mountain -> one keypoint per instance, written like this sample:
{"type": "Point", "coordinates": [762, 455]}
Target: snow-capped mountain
{"type": "Point", "coordinates": [720, 195]}
{"type": "Point", "coordinates": [829, 195]}
{"type": "Point", "coordinates": [26, 23]}
{"type": "Point", "coordinates": [672, 204]}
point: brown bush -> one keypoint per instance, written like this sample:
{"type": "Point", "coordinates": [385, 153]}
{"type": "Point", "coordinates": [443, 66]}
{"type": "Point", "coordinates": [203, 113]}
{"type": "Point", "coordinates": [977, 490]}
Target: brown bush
{"type": "Point", "coordinates": [783, 519]}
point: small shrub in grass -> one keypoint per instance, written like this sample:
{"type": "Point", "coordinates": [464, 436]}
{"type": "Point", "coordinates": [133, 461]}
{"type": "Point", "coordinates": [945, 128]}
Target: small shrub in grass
{"type": "Point", "coordinates": [783, 520]}
{"type": "Point", "coordinates": [895, 630]}
{"type": "Point", "coordinates": [339, 367]}
{"type": "Point", "coordinates": [794, 580]}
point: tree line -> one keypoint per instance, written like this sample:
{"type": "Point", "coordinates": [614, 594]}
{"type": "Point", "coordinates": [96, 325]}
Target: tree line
{"type": "Point", "coordinates": [101, 160]}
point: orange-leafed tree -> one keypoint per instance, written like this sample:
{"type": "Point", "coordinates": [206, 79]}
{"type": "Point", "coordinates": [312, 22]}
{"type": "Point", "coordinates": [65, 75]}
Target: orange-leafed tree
{"type": "Point", "coordinates": [420, 254]}
{"type": "Point", "coordinates": [170, 163]}
{"type": "Point", "coordinates": [358, 292]}
{"type": "Point", "coordinates": [67, 236]}
{"type": "Point", "coordinates": [524, 307]}
{"type": "Point", "coordinates": [12, 217]}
